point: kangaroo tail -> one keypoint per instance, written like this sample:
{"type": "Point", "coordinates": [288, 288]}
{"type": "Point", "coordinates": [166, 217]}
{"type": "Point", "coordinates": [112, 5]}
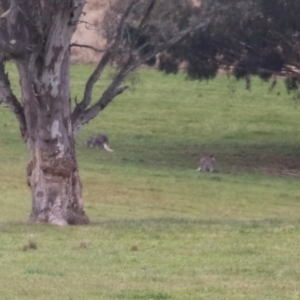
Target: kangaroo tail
{"type": "Point", "coordinates": [107, 148]}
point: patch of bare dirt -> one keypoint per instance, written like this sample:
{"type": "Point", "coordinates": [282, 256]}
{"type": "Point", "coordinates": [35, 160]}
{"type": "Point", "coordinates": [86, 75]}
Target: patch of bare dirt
{"type": "Point", "coordinates": [265, 163]}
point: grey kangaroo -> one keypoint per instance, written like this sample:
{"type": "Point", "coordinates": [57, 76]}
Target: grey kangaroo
{"type": "Point", "coordinates": [207, 163]}
{"type": "Point", "coordinates": [100, 140]}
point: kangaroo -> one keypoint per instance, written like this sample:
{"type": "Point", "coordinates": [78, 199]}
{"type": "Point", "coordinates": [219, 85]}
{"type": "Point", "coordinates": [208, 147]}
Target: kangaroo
{"type": "Point", "coordinates": [207, 163]}
{"type": "Point", "coordinates": [100, 140]}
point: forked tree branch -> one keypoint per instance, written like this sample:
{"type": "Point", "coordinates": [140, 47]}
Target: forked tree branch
{"type": "Point", "coordinates": [102, 64]}
{"type": "Point", "coordinates": [109, 94]}
{"type": "Point", "coordinates": [80, 107]}
{"type": "Point", "coordinates": [10, 100]}
{"type": "Point", "coordinates": [135, 59]}
{"type": "Point", "coordinates": [10, 9]}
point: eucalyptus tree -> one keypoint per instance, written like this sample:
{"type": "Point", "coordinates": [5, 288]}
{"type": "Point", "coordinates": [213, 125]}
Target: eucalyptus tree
{"type": "Point", "coordinates": [250, 37]}
{"type": "Point", "coordinates": [35, 35]}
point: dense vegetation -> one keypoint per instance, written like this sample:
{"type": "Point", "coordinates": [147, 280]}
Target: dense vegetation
{"type": "Point", "coordinates": [160, 230]}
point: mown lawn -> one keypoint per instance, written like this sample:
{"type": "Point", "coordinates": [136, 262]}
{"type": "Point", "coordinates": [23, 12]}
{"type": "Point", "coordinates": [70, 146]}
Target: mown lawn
{"type": "Point", "coordinates": [159, 229]}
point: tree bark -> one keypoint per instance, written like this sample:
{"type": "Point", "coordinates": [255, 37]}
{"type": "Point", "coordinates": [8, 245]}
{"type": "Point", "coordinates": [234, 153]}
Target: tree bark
{"type": "Point", "coordinates": [36, 35]}
{"type": "Point", "coordinates": [55, 186]}
{"type": "Point", "coordinates": [52, 172]}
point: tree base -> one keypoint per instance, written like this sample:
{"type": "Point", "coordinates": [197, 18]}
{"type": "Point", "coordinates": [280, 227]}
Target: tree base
{"type": "Point", "coordinates": [73, 218]}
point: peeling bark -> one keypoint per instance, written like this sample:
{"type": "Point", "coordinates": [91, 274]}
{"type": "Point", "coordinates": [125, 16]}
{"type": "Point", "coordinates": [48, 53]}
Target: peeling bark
{"type": "Point", "coordinates": [56, 189]}
{"type": "Point", "coordinates": [36, 35]}
{"type": "Point", "coordinates": [52, 173]}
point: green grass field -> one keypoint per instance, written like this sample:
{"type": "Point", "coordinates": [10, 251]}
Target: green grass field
{"type": "Point", "coordinates": [159, 229]}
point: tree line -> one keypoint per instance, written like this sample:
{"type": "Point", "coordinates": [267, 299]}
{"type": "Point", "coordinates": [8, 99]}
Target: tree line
{"type": "Point", "coordinates": [245, 36]}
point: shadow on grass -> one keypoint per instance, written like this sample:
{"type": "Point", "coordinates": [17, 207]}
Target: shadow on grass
{"type": "Point", "coordinates": [274, 158]}
{"type": "Point", "coordinates": [149, 224]}
{"type": "Point", "coordinates": [165, 223]}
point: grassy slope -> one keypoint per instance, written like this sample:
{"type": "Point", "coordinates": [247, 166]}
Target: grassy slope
{"type": "Point", "coordinates": [229, 235]}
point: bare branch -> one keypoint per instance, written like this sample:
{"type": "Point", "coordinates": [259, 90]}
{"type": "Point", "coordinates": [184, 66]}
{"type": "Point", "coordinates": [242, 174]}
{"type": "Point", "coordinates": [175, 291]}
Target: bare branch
{"type": "Point", "coordinates": [172, 41]}
{"type": "Point", "coordinates": [293, 67]}
{"type": "Point", "coordinates": [141, 25]}
{"type": "Point", "coordinates": [122, 24]}
{"type": "Point", "coordinates": [8, 12]}
{"type": "Point", "coordinates": [120, 90]}
{"type": "Point", "coordinates": [10, 100]}
{"type": "Point", "coordinates": [146, 15]}
{"type": "Point", "coordinates": [88, 47]}
{"type": "Point", "coordinates": [87, 25]}
{"type": "Point", "coordinates": [102, 64]}
{"type": "Point", "coordinates": [287, 71]}
{"type": "Point", "coordinates": [135, 59]}
{"type": "Point", "coordinates": [89, 86]}
{"type": "Point", "coordinates": [110, 93]}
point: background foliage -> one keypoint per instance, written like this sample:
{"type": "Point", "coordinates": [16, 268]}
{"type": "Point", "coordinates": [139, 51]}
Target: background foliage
{"type": "Point", "coordinates": [159, 229]}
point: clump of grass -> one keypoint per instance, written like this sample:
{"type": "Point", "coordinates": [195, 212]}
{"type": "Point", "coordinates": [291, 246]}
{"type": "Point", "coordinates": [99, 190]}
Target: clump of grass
{"type": "Point", "coordinates": [134, 248]}
{"type": "Point", "coordinates": [31, 245]}
{"type": "Point", "coordinates": [231, 235]}
{"type": "Point", "coordinates": [81, 245]}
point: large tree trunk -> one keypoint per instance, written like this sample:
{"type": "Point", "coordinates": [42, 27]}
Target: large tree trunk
{"type": "Point", "coordinates": [55, 184]}
{"type": "Point", "coordinates": [52, 173]}
{"type": "Point", "coordinates": [36, 35]}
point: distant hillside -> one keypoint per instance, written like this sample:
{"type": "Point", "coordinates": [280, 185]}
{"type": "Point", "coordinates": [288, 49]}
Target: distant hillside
{"type": "Point", "coordinates": [86, 33]}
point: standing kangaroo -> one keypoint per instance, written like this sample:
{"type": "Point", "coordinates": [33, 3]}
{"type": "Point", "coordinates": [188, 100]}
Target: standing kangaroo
{"type": "Point", "coordinates": [207, 163]}
{"type": "Point", "coordinates": [100, 140]}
